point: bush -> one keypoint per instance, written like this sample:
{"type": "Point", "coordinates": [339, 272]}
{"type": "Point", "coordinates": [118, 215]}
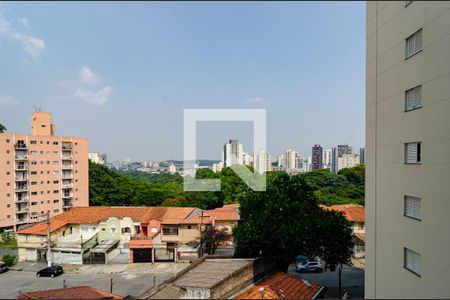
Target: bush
{"type": "Point", "coordinates": [9, 260]}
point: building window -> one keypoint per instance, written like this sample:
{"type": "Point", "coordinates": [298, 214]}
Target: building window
{"type": "Point", "coordinates": [412, 208]}
{"type": "Point", "coordinates": [413, 153]}
{"type": "Point", "coordinates": [154, 229]}
{"type": "Point", "coordinates": [113, 230]}
{"type": "Point", "coordinates": [413, 98]}
{"type": "Point", "coordinates": [170, 231]}
{"type": "Point", "coordinates": [412, 261]}
{"type": "Point", "coordinates": [34, 193]}
{"type": "Point", "coordinates": [414, 44]}
{"type": "Point", "coordinates": [55, 143]}
{"type": "Point", "coordinates": [8, 173]}
{"type": "Point", "coordinates": [7, 151]}
{"type": "Point", "coordinates": [56, 210]}
{"type": "Point", "coordinates": [33, 142]}
{"type": "Point", "coordinates": [7, 141]}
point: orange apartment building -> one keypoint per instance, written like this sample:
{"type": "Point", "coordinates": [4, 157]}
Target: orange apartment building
{"type": "Point", "coordinates": [41, 172]}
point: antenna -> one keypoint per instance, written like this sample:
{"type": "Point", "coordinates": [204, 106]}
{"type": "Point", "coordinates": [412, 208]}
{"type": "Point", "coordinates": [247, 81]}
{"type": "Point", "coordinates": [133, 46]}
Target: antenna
{"type": "Point", "coordinates": [40, 108]}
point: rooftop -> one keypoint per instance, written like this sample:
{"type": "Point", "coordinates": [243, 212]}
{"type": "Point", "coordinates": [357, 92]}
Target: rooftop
{"type": "Point", "coordinates": [76, 292]}
{"type": "Point", "coordinates": [352, 212]}
{"type": "Point", "coordinates": [281, 286]}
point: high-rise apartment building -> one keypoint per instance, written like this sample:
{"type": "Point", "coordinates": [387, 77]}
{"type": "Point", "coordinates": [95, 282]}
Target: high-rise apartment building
{"type": "Point", "coordinates": [344, 149]}
{"type": "Point", "coordinates": [41, 172]}
{"type": "Point", "coordinates": [289, 157]}
{"type": "Point", "coordinates": [407, 149]}
{"type": "Point", "coordinates": [233, 154]}
{"type": "Point", "coordinates": [327, 158]}
{"type": "Point", "coordinates": [316, 154]}
{"type": "Point", "coordinates": [347, 161]}
{"type": "Point", "coordinates": [100, 158]}
{"type": "Point", "coordinates": [362, 155]}
{"type": "Point", "coordinates": [263, 162]}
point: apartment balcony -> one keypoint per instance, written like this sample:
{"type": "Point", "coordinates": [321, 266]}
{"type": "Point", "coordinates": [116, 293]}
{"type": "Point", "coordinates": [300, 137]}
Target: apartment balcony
{"type": "Point", "coordinates": [18, 146]}
{"type": "Point", "coordinates": [66, 157]}
{"type": "Point", "coordinates": [21, 178]}
{"type": "Point", "coordinates": [67, 146]}
{"type": "Point", "coordinates": [67, 186]}
{"type": "Point", "coordinates": [21, 157]}
{"type": "Point", "coordinates": [22, 210]}
{"type": "Point", "coordinates": [140, 241]}
{"type": "Point", "coordinates": [67, 196]}
{"type": "Point", "coordinates": [21, 189]}
{"type": "Point", "coordinates": [68, 176]}
{"type": "Point", "coordinates": [22, 221]}
{"type": "Point", "coordinates": [21, 168]}
{"type": "Point", "coordinates": [22, 200]}
{"type": "Point", "coordinates": [67, 167]}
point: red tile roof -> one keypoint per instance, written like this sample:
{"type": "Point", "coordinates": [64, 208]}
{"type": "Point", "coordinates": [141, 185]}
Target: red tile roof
{"type": "Point", "coordinates": [176, 215]}
{"type": "Point", "coordinates": [352, 212]}
{"type": "Point", "coordinates": [76, 292]}
{"type": "Point", "coordinates": [281, 286]}
{"type": "Point", "coordinates": [226, 213]}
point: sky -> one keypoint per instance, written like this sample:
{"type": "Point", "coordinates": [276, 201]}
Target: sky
{"type": "Point", "coordinates": [122, 73]}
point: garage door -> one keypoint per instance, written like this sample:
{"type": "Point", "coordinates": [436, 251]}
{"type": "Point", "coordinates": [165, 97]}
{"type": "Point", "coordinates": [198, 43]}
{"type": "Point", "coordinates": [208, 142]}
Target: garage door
{"type": "Point", "coordinates": [142, 255]}
{"type": "Point", "coordinates": [31, 254]}
{"type": "Point", "coordinates": [71, 258]}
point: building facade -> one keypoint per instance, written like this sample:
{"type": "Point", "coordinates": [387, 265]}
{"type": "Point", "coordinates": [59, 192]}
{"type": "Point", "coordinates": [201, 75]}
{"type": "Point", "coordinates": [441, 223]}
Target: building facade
{"type": "Point", "coordinates": [316, 158]}
{"type": "Point", "coordinates": [347, 161]}
{"type": "Point", "coordinates": [407, 146]}
{"type": "Point", "coordinates": [98, 158]}
{"type": "Point", "coordinates": [40, 173]}
{"type": "Point", "coordinates": [233, 153]}
{"type": "Point", "coordinates": [263, 162]}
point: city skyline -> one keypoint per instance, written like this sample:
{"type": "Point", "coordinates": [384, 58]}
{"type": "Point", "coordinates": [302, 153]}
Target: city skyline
{"type": "Point", "coordinates": [131, 89]}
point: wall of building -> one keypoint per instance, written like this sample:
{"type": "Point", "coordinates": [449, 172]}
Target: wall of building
{"type": "Point", "coordinates": [388, 127]}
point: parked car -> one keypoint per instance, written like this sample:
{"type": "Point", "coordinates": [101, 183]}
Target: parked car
{"type": "Point", "coordinates": [52, 271]}
{"type": "Point", "coordinates": [3, 267]}
{"type": "Point", "coordinates": [309, 266]}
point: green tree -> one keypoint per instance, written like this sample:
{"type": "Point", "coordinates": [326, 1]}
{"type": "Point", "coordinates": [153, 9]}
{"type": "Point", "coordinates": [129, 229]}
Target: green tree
{"type": "Point", "coordinates": [285, 221]}
{"type": "Point", "coordinates": [2, 128]}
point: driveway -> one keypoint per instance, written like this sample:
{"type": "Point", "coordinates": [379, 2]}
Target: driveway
{"type": "Point", "coordinates": [352, 279]}
{"type": "Point", "coordinates": [132, 281]}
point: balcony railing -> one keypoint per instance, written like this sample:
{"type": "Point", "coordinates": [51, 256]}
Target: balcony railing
{"type": "Point", "coordinates": [67, 146]}
{"type": "Point", "coordinates": [138, 237]}
{"type": "Point", "coordinates": [66, 157]}
{"type": "Point", "coordinates": [67, 196]}
{"type": "Point", "coordinates": [22, 200]}
{"type": "Point", "coordinates": [67, 186]}
{"type": "Point", "coordinates": [21, 157]}
{"type": "Point", "coordinates": [20, 146]}
{"type": "Point", "coordinates": [21, 168]}
{"type": "Point", "coordinates": [22, 210]}
{"type": "Point", "coordinates": [21, 189]}
{"type": "Point", "coordinates": [70, 176]}
{"type": "Point", "coordinates": [22, 221]}
{"type": "Point", "coordinates": [67, 167]}
{"type": "Point", "coordinates": [21, 178]}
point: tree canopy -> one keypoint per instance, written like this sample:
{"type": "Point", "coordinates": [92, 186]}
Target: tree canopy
{"type": "Point", "coordinates": [2, 128]}
{"type": "Point", "coordinates": [285, 221]}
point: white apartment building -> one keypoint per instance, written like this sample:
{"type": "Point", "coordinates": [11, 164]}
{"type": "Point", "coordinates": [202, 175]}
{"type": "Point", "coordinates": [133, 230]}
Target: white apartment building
{"type": "Point", "coordinates": [172, 169]}
{"type": "Point", "coordinates": [327, 158]}
{"type": "Point", "coordinates": [217, 167]}
{"type": "Point", "coordinates": [289, 158]}
{"type": "Point", "coordinates": [347, 161]}
{"type": "Point", "coordinates": [247, 159]}
{"type": "Point", "coordinates": [232, 153]}
{"type": "Point", "coordinates": [407, 149]}
{"type": "Point", "coordinates": [98, 158]}
{"type": "Point", "coordinates": [263, 162]}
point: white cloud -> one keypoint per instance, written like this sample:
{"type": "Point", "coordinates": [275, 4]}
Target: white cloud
{"type": "Point", "coordinates": [88, 76]}
{"type": "Point", "coordinates": [7, 101]}
{"type": "Point", "coordinates": [255, 100]}
{"type": "Point", "coordinates": [31, 45]}
{"type": "Point", "coordinates": [98, 98]}
{"type": "Point", "coordinates": [24, 22]}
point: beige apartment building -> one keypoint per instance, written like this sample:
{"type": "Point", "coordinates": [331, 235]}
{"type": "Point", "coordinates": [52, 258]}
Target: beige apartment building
{"type": "Point", "coordinates": [41, 172]}
{"type": "Point", "coordinates": [408, 149]}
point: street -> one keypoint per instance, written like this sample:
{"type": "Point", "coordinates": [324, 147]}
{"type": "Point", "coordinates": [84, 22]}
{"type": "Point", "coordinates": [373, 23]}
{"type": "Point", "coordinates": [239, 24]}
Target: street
{"type": "Point", "coordinates": [352, 281]}
{"type": "Point", "coordinates": [124, 284]}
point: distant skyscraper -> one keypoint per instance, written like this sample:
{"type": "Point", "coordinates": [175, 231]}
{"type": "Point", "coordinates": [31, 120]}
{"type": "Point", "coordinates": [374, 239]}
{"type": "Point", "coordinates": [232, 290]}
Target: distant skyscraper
{"type": "Point", "coordinates": [347, 161]}
{"type": "Point", "coordinates": [98, 158]}
{"type": "Point", "coordinates": [247, 159]}
{"type": "Point", "coordinates": [232, 153]}
{"type": "Point", "coordinates": [344, 149]}
{"type": "Point", "coordinates": [289, 160]}
{"type": "Point", "coordinates": [317, 157]}
{"type": "Point", "coordinates": [327, 158]}
{"type": "Point", "coordinates": [362, 155]}
{"type": "Point", "coordinates": [172, 169]}
{"type": "Point", "coordinates": [334, 157]}
{"type": "Point", "coordinates": [263, 162]}
{"type": "Point", "coordinates": [281, 161]}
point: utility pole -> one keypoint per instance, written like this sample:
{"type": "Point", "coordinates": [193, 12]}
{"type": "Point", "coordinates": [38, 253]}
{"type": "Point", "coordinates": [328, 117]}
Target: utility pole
{"type": "Point", "coordinates": [49, 252]}
{"type": "Point", "coordinates": [111, 286]}
{"type": "Point", "coordinates": [340, 284]}
{"type": "Point", "coordinates": [201, 234]}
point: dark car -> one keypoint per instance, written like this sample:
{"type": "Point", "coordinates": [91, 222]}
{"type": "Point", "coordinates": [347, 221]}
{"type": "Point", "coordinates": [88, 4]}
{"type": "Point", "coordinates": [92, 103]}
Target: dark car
{"type": "Point", "coordinates": [3, 267]}
{"type": "Point", "coordinates": [52, 271]}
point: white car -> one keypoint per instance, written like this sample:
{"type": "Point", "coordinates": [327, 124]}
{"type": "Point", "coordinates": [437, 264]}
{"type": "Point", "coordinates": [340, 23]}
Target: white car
{"type": "Point", "coordinates": [309, 266]}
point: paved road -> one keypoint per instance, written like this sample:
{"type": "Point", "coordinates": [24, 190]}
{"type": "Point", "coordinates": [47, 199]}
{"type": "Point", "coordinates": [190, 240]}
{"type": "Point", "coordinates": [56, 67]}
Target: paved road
{"type": "Point", "coordinates": [12, 282]}
{"type": "Point", "coordinates": [352, 281]}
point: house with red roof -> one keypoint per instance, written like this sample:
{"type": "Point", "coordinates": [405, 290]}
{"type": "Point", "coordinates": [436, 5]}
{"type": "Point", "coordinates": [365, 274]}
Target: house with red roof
{"type": "Point", "coordinates": [76, 292]}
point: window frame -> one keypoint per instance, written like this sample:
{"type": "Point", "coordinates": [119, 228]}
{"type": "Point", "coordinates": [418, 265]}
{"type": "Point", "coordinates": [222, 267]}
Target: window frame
{"type": "Point", "coordinates": [404, 208]}
{"type": "Point", "coordinates": [419, 153]}
{"type": "Point", "coordinates": [406, 98]}
{"type": "Point", "coordinates": [406, 44]}
{"type": "Point", "coordinates": [405, 250]}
